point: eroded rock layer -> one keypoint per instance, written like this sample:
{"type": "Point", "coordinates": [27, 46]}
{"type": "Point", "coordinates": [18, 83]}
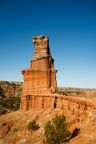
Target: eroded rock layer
{"type": "Point", "coordinates": [40, 78]}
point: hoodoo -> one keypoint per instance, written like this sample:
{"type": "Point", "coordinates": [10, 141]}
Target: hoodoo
{"type": "Point", "coordinates": [40, 77]}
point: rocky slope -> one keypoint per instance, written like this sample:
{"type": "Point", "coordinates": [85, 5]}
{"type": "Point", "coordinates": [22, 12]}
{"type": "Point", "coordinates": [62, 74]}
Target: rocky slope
{"type": "Point", "coordinates": [9, 96]}
{"type": "Point", "coordinates": [13, 127]}
{"type": "Point", "coordinates": [9, 89]}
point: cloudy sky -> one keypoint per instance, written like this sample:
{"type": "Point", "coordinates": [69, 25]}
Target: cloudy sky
{"type": "Point", "coordinates": [71, 27]}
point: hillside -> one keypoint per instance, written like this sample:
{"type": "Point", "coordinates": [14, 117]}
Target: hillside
{"type": "Point", "coordinates": [10, 93]}
{"type": "Point", "coordinates": [10, 89]}
{"type": "Point", "coordinates": [13, 127]}
{"type": "Point", "coordinates": [9, 96]}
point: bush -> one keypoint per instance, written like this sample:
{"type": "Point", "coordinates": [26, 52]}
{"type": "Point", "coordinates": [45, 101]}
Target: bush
{"type": "Point", "coordinates": [33, 126]}
{"type": "Point", "coordinates": [56, 132]}
{"type": "Point", "coordinates": [9, 104]}
{"type": "Point", "coordinates": [3, 111]}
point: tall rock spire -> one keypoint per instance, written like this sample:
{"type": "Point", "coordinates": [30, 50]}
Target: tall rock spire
{"type": "Point", "coordinates": [41, 47]}
{"type": "Point", "coordinates": [40, 77]}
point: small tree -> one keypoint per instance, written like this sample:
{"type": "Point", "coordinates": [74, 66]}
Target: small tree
{"type": "Point", "coordinates": [33, 126]}
{"type": "Point", "coordinates": [56, 132]}
{"type": "Point", "coordinates": [49, 133]}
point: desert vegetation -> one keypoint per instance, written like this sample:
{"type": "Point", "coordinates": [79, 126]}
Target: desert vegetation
{"type": "Point", "coordinates": [33, 126]}
{"type": "Point", "coordinates": [8, 104]}
{"type": "Point", "coordinates": [56, 131]}
{"type": "Point", "coordinates": [9, 96]}
{"type": "Point", "coordinates": [79, 92]}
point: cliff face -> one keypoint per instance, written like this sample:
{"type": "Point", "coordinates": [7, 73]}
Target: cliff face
{"type": "Point", "coordinates": [9, 96]}
{"type": "Point", "coordinates": [10, 93]}
{"type": "Point", "coordinates": [10, 89]}
{"type": "Point", "coordinates": [79, 92]}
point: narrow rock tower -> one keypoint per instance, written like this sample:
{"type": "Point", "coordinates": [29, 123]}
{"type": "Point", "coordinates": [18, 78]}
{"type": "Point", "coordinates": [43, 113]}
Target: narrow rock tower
{"type": "Point", "coordinates": [40, 78]}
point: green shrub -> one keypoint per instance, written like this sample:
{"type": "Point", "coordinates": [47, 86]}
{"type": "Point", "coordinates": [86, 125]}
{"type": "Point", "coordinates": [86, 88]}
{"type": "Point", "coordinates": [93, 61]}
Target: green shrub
{"type": "Point", "coordinates": [3, 111]}
{"type": "Point", "coordinates": [56, 132]}
{"type": "Point", "coordinates": [9, 104]}
{"type": "Point", "coordinates": [33, 126]}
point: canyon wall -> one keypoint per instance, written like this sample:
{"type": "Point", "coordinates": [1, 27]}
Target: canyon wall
{"type": "Point", "coordinates": [40, 85]}
{"type": "Point", "coordinates": [79, 92]}
{"type": "Point", "coordinates": [74, 105]}
{"type": "Point", "coordinates": [10, 89]}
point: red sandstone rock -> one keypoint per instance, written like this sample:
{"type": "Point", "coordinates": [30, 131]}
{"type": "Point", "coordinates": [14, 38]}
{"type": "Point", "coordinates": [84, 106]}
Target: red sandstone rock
{"type": "Point", "coordinates": [40, 78]}
{"type": "Point", "coordinates": [40, 86]}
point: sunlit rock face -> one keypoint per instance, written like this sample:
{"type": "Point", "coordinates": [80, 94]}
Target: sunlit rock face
{"type": "Point", "coordinates": [41, 47]}
{"type": "Point", "coordinates": [40, 77]}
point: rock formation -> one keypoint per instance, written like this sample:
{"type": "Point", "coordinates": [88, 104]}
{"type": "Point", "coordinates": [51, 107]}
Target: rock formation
{"type": "Point", "coordinates": [10, 89]}
{"type": "Point", "coordinates": [40, 78]}
{"type": "Point", "coordinates": [10, 93]}
{"type": "Point", "coordinates": [40, 86]}
{"type": "Point", "coordinates": [40, 96]}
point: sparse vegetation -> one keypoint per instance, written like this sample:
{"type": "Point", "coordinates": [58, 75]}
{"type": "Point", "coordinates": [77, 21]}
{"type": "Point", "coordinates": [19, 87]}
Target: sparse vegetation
{"type": "Point", "coordinates": [72, 91]}
{"type": "Point", "coordinates": [33, 126]}
{"type": "Point", "coordinates": [9, 96]}
{"type": "Point", "coordinates": [56, 132]}
{"type": "Point", "coordinates": [9, 104]}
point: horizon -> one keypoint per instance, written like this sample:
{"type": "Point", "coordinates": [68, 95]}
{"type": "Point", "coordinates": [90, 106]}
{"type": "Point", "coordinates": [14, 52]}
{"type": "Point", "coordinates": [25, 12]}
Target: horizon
{"type": "Point", "coordinates": [57, 85]}
{"type": "Point", "coordinates": [71, 28]}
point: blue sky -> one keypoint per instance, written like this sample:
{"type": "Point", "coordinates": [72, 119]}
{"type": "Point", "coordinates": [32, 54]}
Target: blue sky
{"type": "Point", "coordinates": [71, 27]}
